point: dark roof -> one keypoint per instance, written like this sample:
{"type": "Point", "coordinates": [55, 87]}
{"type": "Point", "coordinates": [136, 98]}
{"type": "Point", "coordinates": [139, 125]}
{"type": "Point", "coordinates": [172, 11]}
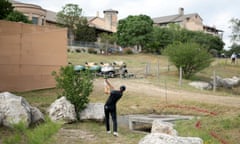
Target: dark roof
{"type": "Point", "coordinates": [110, 10]}
{"type": "Point", "coordinates": [212, 28]}
{"type": "Point", "coordinates": [173, 18]}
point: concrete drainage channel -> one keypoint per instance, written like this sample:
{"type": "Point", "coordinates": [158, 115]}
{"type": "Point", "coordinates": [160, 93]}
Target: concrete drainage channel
{"type": "Point", "coordinates": [143, 123]}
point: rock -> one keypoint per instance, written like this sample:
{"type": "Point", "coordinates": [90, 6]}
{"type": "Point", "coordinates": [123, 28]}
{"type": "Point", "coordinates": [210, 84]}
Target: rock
{"type": "Point", "coordinates": [201, 85]}
{"type": "Point", "coordinates": [227, 82]}
{"type": "Point", "coordinates": [15, 109]}
{"type": "Point", "coordinates": [37, 115]}
{"type": "Point", "coordinates": [62, 110]}
{"type": "Point", "coordinates": [160, 138]}
{"type": "Point", "coordinates": [159, 126]}
{"type": "Point", "coordinates": [1, 118]}
{"type": "Point", "coordinates": [190, 140]}
{"type": "Point", "coordinates": [93, 111]}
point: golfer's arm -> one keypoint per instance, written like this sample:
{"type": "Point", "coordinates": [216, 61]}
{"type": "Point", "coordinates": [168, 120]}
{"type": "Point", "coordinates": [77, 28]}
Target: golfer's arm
{"type": "Point", "coordinates": [109, 85]}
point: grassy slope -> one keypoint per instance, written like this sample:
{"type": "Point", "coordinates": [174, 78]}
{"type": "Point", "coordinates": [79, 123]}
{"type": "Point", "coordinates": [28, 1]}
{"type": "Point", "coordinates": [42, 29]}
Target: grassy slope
{"type": "Point", "coordinates": [225, 125]}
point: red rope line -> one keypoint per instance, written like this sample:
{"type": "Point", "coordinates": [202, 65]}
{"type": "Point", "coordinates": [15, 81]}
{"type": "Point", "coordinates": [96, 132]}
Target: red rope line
{"type": "Point", "coordinates": [198, 124]}
{"type": "Point", "coordinates": [213, 134]}
{"type": "Point", "coordinates": [193, 108]}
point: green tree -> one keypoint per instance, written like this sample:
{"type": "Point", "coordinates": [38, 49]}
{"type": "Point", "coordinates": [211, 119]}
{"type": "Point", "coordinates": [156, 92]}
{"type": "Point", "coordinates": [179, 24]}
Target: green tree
{"type": "Point", "coordinates": [235, 48]}
{"type": "Point", "coordinates": [160, 38]}
{"type": "Point", "coordinates": [235, 36]}
{"type": "Point", "coordinates": [207, 41]}
{"type": "Point", "coordinates": [84, 32]}
{"type": "Point", "coordinates": [5, 8]}
{"type": "Point", "coordinates": [18, 17]}
{"type": "Point", "coordinates": [108, 38]}
{"type": "Point", "coordinates": [190, 56]}
{"type": "Point", "coordinates": [70, 16]}
{"type": "Point", "coordinates": [235, 26]}
{"type": "Point", "coordinates": [75, 86]}
{"type": "Point", "coordinates": [134, 30]}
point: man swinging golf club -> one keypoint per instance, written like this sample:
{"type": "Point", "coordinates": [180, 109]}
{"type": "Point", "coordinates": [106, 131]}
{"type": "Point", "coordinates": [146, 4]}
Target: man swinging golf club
{"type": "Point", "coordinates": [110, 105]}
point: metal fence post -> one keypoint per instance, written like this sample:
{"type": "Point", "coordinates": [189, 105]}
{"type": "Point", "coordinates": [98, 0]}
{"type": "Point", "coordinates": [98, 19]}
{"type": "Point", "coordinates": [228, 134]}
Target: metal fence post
{"type": "Point", "coordinates": [180, 76]}
{"type": "Point", "coordinates": [214, 81]}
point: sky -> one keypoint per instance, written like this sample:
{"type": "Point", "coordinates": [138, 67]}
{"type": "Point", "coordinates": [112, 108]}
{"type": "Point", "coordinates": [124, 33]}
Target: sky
{"type": "Point", "coordinates": [213, 12]}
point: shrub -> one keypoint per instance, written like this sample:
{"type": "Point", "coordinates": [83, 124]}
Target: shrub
{"type": "Point", "coordinates": [75, 86]}
{"type": "Point", "coordinates": [190, 56]}
{"type": "Point", "coordinates": [127, 51]}
{"type": "Point", "coordinates": [92, 51]}
{"type": "Point", "coordinates": [78, 50]}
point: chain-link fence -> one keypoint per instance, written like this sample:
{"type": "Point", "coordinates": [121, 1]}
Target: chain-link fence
{"type": "Point", "coordinates": [88, 44]}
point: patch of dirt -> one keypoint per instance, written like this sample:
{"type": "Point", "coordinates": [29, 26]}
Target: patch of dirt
{"type": "Point", "coordinates": [143, 87]}
{"type": "Point", "coordinates": [73, 136]}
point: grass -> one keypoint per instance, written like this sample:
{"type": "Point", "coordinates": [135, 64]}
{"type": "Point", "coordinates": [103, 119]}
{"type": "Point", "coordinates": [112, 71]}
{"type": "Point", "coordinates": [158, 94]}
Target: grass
{"type": "Point", "coordinates": [40, 98]}
{"type": "Point", "coordinates": [225, 124]}
{"type": "Point", "coordinates": [225, 129]}
{"type": "Point", "coordinates": [40, 134]}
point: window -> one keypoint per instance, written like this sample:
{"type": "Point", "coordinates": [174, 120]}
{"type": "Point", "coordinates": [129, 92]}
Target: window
{"type": "Point", "coordinates": [35, 20]}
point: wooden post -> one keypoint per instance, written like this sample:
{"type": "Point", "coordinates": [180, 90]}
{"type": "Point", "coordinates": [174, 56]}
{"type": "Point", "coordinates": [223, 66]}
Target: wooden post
{"type": "Point", "coordinates": [168, 65]}
{"type": "Point", "coordinates": [214, 81]}
{"type": "Point", "coordinates": [158, 70]}
{"type": "Point", "coordinates": [180, 76]}
{"type": "Point", "coordinates": [147, 71]}
{"type": "Point", "coordinates": [149, 68]}
{"type": "Point", "coordinates": [165, 83]}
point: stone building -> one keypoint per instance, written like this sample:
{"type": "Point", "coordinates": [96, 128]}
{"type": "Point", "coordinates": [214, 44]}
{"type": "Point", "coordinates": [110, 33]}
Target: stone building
{"type": "Point", "coordinates": [109, 22]}
{"type": "Point", "coordinates": [191, 22]}
{"type": "Point", "coordinates": [35, 13]}
{"type": "Point", "coordinates": [40, 16]}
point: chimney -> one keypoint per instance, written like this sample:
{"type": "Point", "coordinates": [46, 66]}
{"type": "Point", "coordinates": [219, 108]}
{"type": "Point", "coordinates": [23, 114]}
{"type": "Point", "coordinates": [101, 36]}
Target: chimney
{"type": "Point", "coordinates": [181, 11]}
{"type": "Point", "coordinates": [97, 13]}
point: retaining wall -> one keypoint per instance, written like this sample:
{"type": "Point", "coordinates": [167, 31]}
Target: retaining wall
{"type": "Point", "coordinates": [29, 54]}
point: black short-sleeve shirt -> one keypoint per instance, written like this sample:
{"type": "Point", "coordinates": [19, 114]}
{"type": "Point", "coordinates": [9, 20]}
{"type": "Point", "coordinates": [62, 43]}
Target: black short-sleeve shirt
{"type": "Point", "coordinates": [115, 95]}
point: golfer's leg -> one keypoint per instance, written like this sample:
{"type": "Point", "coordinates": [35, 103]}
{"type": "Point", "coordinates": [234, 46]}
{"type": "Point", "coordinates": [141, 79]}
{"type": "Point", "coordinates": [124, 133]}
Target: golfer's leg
{"type": "Point", "coordinates": [107, 119]}
{"type": "Point", "coordinates": [114, 119]}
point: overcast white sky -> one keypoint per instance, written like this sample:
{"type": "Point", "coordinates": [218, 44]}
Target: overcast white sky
{"type": "Point", "coordinates": [213, 12]}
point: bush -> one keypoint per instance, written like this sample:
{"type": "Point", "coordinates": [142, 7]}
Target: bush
{"type": "Point", "coordinates": [78, 50]}
{"type": "Point", "coordinates": [190, 56]}
{"type": "Point", "coordinates": [127, 51]}
{"type": "Point", "coordinates": [75, 86]}
{"type": "Point", "coordinates": [92, 51]}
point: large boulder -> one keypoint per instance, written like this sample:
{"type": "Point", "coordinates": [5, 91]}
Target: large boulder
{"type": "Point", "coordinates": [15, 109]}
{"type": "Point", "coordinates": [37, 115]}
{"type": "Point", "coordinates": [159, 126]}
{"type": "Point", "coordinates": [1, 118]}
{"type": "Point", "coordinates": [93, 111]}
{"type": "Point", "coordinates": [227, 82]}
{"type": "Point", "coordinates": [160, 138]}
{"type": "Point", "coordinates": [62, 110]}
{"type": "Point", "coordinates": [201, 85]}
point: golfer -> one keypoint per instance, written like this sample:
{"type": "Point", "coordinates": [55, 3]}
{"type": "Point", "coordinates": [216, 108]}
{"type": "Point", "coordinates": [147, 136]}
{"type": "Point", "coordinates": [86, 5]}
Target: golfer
{"type": "Point", "coordinates": [110, 106]}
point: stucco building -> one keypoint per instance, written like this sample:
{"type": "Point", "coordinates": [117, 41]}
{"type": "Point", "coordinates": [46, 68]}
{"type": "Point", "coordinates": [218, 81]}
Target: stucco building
{"type": "Point", "coordinates": [40, 16]}
{"type": "Point", "coordinates": [191, 21]}
{"type": "Point", "coordinates": [109, 22]}
{"type": "Point", "coordinates": [35, 13]}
